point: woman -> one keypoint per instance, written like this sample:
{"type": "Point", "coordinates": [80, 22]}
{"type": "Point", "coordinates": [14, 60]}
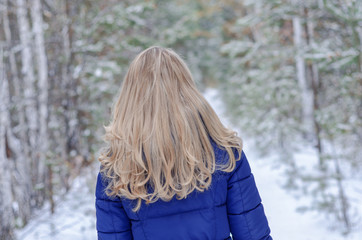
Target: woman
{"type": "Point", "coordinates": [171, 169]}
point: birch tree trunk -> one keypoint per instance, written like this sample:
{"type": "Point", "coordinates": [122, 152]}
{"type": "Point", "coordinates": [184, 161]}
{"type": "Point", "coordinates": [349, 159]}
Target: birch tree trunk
{"type": "Point", "coordinates": [16, 82]}
{"type": "Point", "coordinates": [42, 68]}
{"type": "Point", "coordinates": [21, 169]}
{"type": "Point", "coordinates": [6, 213]}
{"type": "Point", "coordinates": [29, 87]}
{"type": "Point", "coordinates": [307, 103]}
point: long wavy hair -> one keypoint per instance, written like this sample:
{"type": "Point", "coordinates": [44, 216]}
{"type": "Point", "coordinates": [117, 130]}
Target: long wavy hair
{"type": "Point", "coordinates": [158, 140]}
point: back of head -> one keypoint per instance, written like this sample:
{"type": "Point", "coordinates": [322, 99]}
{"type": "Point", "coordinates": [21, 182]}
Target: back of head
{"type": "Point", "coordinates": [160, 132]}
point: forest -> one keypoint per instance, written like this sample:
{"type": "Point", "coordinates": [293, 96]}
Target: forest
{"type": "Point", "coordinates": [289, 72]}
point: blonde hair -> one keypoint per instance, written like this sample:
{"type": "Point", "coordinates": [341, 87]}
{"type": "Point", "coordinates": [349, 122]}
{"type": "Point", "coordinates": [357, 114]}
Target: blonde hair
{"type": "Point", "coordinates": [160, 133]}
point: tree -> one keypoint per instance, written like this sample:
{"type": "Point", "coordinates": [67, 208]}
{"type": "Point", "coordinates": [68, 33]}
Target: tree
{"type": "Point", "coordinates": [6, 212]}
{"type": "Point", "coordinates": [298, 85]}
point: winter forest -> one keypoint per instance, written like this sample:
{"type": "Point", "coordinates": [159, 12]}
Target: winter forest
{"type": "Point", "coordinates": [288, 74]}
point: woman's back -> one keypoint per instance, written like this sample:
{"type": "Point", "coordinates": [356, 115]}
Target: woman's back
{"type": "Point", "coordinates": [231, 205]}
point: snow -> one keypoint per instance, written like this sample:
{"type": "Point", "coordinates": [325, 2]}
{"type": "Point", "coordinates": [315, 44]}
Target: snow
{"type": "Point", "coordinates": [74, 217]}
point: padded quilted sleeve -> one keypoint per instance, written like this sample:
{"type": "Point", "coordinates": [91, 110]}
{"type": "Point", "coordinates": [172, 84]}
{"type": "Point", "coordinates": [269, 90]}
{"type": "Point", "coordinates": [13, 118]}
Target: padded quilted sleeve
{"type": "Point", "coordinates": [112, 221]}
{"type": "Point", "coordinates": [245, 211]}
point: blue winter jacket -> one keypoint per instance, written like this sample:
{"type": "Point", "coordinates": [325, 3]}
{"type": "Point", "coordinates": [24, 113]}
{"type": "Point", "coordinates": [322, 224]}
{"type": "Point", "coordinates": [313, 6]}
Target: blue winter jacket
{"type": "Point", "coordinates": [231, 205]}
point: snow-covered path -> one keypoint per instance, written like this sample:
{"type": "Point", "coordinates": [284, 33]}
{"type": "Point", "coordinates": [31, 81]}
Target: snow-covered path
{"type": "Point", "coordinates": [280, 207]}
{"type": "Point", "coordinates": [75, 214]}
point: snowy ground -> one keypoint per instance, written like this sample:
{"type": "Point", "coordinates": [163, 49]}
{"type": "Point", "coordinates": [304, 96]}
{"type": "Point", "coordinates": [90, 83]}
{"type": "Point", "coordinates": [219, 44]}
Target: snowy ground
{"type": "Point", "coordinates": [75, 214]}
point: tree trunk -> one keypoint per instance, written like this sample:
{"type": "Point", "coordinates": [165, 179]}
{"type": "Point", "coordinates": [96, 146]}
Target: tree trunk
{"type": "Point", "coordinates": [30, 97]}
{"type": "Point", "coordinates": [42, 68]}
{"type": "Point", "coordinates": [307, 104]}
{"type": "Point", "coordinates": [343, 210]}
{"type": "Point", "coordinates": [71, 122]}
{"type": "Point", "coordinates": [21, 183]}
{"type": "Point", "coordinates": [342, 198]}
{"type": "Point", "coordinates": [6, 212]}
{"type": "Point", "coordinates": [316, 85]}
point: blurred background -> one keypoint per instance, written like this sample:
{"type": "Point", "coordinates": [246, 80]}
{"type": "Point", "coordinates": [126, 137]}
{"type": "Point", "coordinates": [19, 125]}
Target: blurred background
{"type": "Point", "coordinates": [287, 74]}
